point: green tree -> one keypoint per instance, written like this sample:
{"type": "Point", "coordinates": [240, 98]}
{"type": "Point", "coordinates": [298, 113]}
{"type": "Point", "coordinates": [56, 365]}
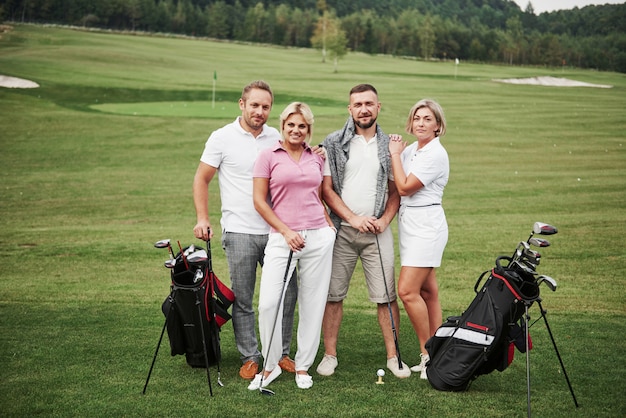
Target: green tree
{"type": "Point", "coordinates": [427, 38]}
{"type": "Point", "coordinates": [328, 36]}
{"type": "Point", "coordinates": [337, 45]}
{"type": "Point", "coordinates": [358, 29]}
{"type": "Point", "coordinates": [219, 18]}
{"type": "Point", "coordinates": [408, 31]}
{"type": "Point", "coordinates": [515, 38]}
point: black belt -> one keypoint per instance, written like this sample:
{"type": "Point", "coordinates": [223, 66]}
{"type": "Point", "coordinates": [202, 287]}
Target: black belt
{"type": "Point", "coordinates": [423, 206]}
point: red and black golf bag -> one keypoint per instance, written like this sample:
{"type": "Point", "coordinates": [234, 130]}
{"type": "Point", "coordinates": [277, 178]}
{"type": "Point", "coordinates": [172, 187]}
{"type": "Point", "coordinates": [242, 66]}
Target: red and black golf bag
{"type": "Point", "coordinates": [483, 338]}
{"type": "Point", "coordinates": [195, 310]}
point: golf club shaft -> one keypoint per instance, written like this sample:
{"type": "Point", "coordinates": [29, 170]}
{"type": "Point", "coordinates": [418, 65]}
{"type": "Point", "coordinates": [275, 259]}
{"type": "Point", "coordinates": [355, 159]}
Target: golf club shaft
{"type": "Point", "coordinates": [393, 325]}
{"type": "Point", "coordinates": [182, 254]}
{"type": "Point", "coordinates": [280, 301]}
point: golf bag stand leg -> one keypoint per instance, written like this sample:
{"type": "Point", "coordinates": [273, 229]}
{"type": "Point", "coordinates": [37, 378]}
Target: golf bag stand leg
{"type": "Point", "coordinates": [156, 352]}
{"type": "Point", "coordinates": [526, 336]}
{"type": "Point", "coordinates": [556, 350]}
{"type": "Point", "coordinates": [206, 354]}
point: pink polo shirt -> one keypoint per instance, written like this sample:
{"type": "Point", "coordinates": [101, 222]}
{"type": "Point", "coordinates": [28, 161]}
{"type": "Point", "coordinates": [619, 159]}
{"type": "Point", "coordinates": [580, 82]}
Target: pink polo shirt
{"type": "Point", "coordinates": [293, 186]}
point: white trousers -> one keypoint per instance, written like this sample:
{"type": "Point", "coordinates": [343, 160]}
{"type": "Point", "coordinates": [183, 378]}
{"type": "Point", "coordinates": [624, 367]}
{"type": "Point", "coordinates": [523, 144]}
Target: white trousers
{"type": "Point", "coordinates": [314, 264]}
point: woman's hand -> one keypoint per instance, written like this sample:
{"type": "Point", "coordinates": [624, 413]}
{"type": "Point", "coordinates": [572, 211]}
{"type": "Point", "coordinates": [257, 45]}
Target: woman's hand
{"type": "Point", "coordinates": [396, 144]}
{"type": "Point", "coordinates": [294, 240]}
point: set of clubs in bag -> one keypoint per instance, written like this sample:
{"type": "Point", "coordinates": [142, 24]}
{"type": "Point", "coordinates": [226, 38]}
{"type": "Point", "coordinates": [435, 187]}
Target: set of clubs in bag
{"type": "Point", "coordinates": [528, 259]}
{"type": "Point", "coordinates": [191, 256]}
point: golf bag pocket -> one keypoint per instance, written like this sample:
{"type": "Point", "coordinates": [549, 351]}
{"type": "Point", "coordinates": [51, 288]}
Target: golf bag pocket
{"type": "Point", "coordinates": [188, 330]}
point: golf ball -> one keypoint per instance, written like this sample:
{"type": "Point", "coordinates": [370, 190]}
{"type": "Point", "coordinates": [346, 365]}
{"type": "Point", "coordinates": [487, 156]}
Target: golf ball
{"type": "Point", "coordinates": [380, 372]}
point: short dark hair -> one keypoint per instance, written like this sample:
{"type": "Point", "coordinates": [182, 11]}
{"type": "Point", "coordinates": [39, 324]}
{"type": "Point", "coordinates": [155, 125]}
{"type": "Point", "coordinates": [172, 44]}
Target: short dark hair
{"type": "Point", "coordinates": [360, 88]}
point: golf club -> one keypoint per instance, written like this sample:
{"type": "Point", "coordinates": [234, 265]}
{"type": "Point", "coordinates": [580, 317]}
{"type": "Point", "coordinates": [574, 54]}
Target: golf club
{"type": "Point", "coordinates": [265, 391]}
{"type": "Point", "coordinates": [393, 326]}
{"type": "Point", "coordinates": [544, 229]}
{"type": "Point", "coordinates": [209, 272]}
{"type": "Point", "coordinates": [170, 264]}
{"type": "Point", "coordinates": [539, 242]}
{"type": "Point", "coordinates": [190, 250]}
{"type": "Point", "coordinates": [165, 243]}
{"type": "Point", "coordinates": [198, 257]}
{"type": "Point", "coordinates": [519, 251]}
{"type": "Point", "coordinates": [549, 281]}
{"type": "Point", "coordinates": [182, 254]}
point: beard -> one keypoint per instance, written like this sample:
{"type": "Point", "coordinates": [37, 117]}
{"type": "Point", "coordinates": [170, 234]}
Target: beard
{"type": "Point", "coordinates": [364, 125]}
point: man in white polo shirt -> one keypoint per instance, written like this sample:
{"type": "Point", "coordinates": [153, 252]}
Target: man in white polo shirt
{"type": "Point", "coordinates": [231, 151]}
{"type": "Point", "coordinates": [358, 187]}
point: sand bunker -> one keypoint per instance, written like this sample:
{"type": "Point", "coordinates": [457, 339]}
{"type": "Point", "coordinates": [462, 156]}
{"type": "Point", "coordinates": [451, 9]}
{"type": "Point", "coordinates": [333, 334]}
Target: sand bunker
{"type": "Point", "coordinates": [550, 81]}
{"type": "Point", "coordinates": [17, 83]}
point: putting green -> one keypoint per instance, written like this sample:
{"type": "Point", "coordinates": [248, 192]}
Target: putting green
{"type": "Point", "coordinates": [196, 109]}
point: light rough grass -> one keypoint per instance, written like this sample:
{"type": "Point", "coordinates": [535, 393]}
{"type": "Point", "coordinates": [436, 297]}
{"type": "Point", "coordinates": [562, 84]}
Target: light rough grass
{"type": "Point", "coordinates": [86, 193]}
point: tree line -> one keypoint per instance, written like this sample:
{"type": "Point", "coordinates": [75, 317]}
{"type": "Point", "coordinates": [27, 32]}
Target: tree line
{"type": "Point", "coordinates": [494, 31]}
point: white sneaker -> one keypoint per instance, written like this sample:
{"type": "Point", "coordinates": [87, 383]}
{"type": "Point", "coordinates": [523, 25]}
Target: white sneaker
{"type": "Point", "coordinates": [423, 374]}
{"type": "Point", "coordinates": [256, 382]}
{"type": "Point", "coordinates": [304, 381]}
{"type": "Point", "coordinates": [392, 364]}
{"type": "Point", "coordinates": [327, 366]}
{"type": "Point", "coordinates": [424, 358]}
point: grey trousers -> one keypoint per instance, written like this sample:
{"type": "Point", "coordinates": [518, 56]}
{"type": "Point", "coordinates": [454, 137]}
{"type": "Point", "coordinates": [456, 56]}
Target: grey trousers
{"type": "Point", "coordinates": [244, 253]}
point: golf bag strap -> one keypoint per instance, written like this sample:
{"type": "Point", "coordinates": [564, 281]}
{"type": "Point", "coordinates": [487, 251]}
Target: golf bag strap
{"type": "Point", "coordinates": [506, 282]}
{"type": "Point", "coordinates": [480, 278]}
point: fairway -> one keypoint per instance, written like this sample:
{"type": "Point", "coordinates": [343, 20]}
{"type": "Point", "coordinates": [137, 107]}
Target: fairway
{"type": "Point", "coordinates": [97, 165]}
{"type": "Point", "coordinates": [197, 109]}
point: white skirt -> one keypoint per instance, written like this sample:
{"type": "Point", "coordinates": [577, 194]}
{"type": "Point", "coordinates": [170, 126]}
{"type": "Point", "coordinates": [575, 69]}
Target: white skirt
{"type": "Point", "coordinates": [423, 235]}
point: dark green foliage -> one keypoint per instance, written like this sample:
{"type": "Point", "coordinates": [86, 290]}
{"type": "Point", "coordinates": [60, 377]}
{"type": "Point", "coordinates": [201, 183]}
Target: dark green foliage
{"type": "Point", "coordinates": [476, 30]}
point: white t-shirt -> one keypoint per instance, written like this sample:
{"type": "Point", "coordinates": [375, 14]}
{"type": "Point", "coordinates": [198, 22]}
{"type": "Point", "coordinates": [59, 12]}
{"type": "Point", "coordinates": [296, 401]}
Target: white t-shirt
{"type": "Point", "coordinates": [360, 176]}
{"type": "Point", "coordinates": [233, 151]}
{"type": "Point", "coordinates": [431, 166]}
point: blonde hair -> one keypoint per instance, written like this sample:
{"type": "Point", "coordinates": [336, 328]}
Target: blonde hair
{"type": "Point", "coordinates": [437, 111]}
{"type": "Point", "coordinates": [298, 108]}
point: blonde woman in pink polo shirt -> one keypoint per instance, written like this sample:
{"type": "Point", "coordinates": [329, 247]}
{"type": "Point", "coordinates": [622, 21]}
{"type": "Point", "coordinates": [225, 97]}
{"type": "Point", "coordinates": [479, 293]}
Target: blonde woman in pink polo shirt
{"type": "Point", "coordinates": [287, 182]}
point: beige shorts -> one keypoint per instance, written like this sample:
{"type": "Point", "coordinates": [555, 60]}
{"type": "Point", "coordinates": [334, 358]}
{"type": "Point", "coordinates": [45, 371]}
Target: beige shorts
{"type": "Point", "coordinates": [350, 245]}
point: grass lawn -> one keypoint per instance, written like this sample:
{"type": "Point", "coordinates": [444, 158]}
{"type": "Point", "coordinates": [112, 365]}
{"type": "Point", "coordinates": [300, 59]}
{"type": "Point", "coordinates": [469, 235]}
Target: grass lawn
{"type": "Point", "coordinates": [97, 164]}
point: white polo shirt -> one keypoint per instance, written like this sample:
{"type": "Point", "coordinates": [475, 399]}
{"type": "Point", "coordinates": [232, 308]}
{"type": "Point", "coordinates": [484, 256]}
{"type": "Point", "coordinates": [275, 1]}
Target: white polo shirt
{"type": "Point", "coordinates": [360, 176]}
{"type": "Point", "coordinates": [233, 151]}
{"type": "Point", "coordinates": [431, 166]}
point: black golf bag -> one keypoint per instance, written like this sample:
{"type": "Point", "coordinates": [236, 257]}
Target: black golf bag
{"type": "Point", "coordinates": [195, 310]}
{"type": "Point", "coordinates": [483, 338]}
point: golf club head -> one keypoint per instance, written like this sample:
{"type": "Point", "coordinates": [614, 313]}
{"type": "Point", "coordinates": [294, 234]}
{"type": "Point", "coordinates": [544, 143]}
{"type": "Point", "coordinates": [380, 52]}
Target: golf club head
{"type": "Point", "coordinates": [170, 264]}
{"type": "Point", "coordinates": [164, 243]}
{"type": "Point", "coordinates": [523, 265]}
{"type": "Point", "coordinates": [266, 391]}
{"type": "Point", "coordinates": [190, 250]}
{"type": "Point", "coordinates": [532, 256]}
{"type": "Point", "coordinates": [198, 257]}
{"type": "Point", "coordinates": [539, 242]}
{"type": "Point", "coordinates": [198, 276]}
{"type": "Point", "coordinates": [522, 247]}
{"type": "Point", "coordinates": [544, 229]}
{"type": "Point", "coordinates": [549, 281]}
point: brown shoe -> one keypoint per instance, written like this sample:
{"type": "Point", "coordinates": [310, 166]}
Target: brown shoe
{"type": "Point", "coordinates": [287, 364]}
{"type": "Point", "coordinates": [249, 369]}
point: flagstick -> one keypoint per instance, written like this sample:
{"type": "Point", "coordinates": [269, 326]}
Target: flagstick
{"type": "Point", "coordinates": [213, 101]}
